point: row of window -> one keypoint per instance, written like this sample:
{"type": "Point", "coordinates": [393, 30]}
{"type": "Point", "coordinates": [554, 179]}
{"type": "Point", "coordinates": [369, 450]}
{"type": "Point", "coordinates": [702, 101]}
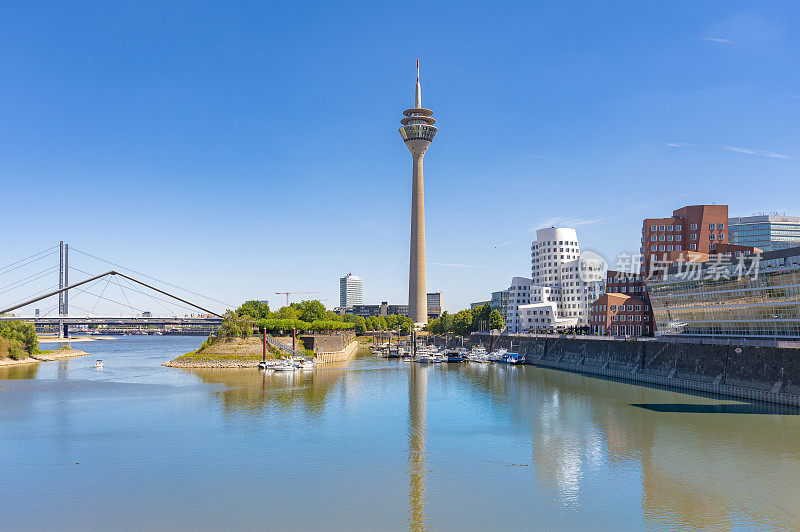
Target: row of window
{"type": "Point", "coordinates": [668, 227]}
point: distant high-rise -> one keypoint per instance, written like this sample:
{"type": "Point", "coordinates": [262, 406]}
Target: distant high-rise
{"type": "Point", "coordinates": [417, 132]}
{"type": "Point", "coordinates": [351, 291]}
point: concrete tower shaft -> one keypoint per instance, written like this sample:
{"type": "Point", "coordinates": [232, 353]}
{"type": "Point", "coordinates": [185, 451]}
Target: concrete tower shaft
{"type": "Point", "coordinates": [417, 132]}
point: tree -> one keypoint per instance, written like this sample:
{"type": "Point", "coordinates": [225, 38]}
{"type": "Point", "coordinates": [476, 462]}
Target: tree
{"type": "Point", "coordinates": [255, 309]}
{"type": "Point", "coordinates": [311, 311]}
{"type": "Point", "coordinates": [462, 322]}
{"type": "Point", "coordinates": [287, 313]}
{"type": "Point", "coordinates": [495, 320]}
{"type": "Point", "coordinates": [22, 332]}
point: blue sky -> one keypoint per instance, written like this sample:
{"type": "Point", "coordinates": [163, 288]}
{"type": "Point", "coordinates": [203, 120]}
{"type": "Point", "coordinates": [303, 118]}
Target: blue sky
{"type": "Point", "coordinates": [244, 148]}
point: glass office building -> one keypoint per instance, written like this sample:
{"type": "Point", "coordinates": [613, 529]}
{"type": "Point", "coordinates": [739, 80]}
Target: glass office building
{"type": "Point", "coordinates": [767, 232]}
{"type": "Point", "coordinates": [739, 297]}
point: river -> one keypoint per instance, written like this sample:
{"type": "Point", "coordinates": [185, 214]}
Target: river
{"type": "Point", "coordinates": [376, 444]}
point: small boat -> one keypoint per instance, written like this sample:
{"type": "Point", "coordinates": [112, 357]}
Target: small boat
{"type": "Point", "coordinates": [515, 358]}
{"type": "Point", "coordinates": [98, 364]}
{"type": "Point", "coordinates": [286, 365]}
{"type": "Point", "coordinates": [262, 365]}
{"type": "Point", "coordinates": [306, 364]}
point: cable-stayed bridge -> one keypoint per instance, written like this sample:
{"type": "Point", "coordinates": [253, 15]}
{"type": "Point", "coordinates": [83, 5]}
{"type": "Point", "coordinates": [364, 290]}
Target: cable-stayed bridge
{"type": "Point", "coordinates": [183, 314]}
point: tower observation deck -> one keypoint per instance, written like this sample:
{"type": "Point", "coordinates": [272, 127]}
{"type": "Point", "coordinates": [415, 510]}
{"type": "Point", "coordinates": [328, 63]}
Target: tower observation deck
{"type": "Point", "coordinates": [417, 132]}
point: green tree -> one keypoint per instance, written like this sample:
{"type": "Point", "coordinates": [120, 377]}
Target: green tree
{"type": "Point", "coordinates": [22, 333]}
{"type": "Point", "coordinates": [255, 309]}
{"type": "Point", "coordinates": [311, 311]}
{"type": "Point", "coordinates": [287, 313]}
{"type": "Point", "coordinates": [462, 322]}
{"type": "Point", "coordinates": [495, 320]}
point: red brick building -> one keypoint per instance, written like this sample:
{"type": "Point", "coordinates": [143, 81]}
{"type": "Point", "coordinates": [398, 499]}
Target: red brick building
{"type": "Point", "coordinates": [692, 233]}
{"type": "Point", "coordinates": [620, 315]}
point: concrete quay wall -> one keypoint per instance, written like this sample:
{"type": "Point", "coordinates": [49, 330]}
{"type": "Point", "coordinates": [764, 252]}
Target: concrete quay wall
{"type": "Point", "coordinates": [331, 347]}
{"type": "Point", "coordinates": [769, 374]}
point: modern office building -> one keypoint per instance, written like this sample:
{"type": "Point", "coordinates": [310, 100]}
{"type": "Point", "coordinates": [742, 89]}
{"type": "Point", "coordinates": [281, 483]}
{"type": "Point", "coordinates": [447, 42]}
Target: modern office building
{"type": "Point", "coordinates": [435, 305]}
{"type": "Point", "coordinates": [476, 304]}
{"type": "Point", "coordinates": [499, 302]}
{"type": "Point", "coordinates": [417, 132]}
{"type": "Point", "coordinates": [693, 232]}
{"type": "Point", "coordinates": [561, 287]}
{"type": "Point", "coordinates": [351, 291]}
{"type": "Point", "coordinates": [384, 309]}
{"type": "Point", "coordinates": [749, 296]}
{"type": "Point", "coordinates": [768, 232]}
{"type": "Point", "coordinates": [618, 314]}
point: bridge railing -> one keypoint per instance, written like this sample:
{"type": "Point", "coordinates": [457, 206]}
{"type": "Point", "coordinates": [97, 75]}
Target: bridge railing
{"type": "Point", "coordinates": [285, 347]}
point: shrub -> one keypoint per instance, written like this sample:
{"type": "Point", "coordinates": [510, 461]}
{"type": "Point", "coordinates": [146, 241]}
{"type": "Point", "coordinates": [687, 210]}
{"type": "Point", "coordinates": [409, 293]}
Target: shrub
{"type": "Point", "coordinates": [16, 352]}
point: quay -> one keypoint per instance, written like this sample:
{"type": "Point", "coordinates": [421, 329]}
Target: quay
{"type": "Point", "coordinates": [746, 371]}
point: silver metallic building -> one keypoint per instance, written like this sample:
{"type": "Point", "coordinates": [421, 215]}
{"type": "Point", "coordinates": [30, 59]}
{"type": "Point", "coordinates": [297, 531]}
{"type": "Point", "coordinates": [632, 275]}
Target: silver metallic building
{"type": "Point", "coordinates": [757, 296]}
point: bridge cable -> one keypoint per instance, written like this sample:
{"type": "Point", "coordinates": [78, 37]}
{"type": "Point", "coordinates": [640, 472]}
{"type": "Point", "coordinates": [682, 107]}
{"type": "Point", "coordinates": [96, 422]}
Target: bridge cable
{"type": "Point", "coordinates": [108, 280]}
{"type": "Point", "coordinates": [127, 282]}
{"type": "Point", "coordinates": [9, 269]}
{"type": "Point", "coordinates": [26, 258]}
{"type": "Point", "coordinates": [151, 277]}
{"type": "Point", "coordinates": [17, 284]}
{"type": "Point", "coordinates": [116, 281]}
{"type": "Point", "coordinates": [85, 290]}
{"type": "Point", "coordinates": [40, 292]}
{"type": "Point", "coordinates": [131, 287]}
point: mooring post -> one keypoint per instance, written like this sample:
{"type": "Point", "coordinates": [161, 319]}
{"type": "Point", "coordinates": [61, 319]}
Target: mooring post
{"type": "Point", "coordinates": [264, 345]}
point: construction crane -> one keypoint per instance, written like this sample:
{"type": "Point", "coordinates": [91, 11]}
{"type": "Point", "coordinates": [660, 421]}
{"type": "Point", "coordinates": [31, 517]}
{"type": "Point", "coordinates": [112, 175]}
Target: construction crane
{"type": "Point", "coordinates": [291, 293]}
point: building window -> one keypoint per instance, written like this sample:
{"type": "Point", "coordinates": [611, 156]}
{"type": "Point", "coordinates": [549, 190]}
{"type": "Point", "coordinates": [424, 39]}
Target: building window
{"type": "Point", "coordinates": [669, 228]}
{"type": "Point", "coordinates": [669, 248]}
{"type": "Point", "coordinates": [661, 228]}
{"type": "Point", "coordinates": [712, 246]}
{"type": "Point", "coordinates": [692, 226]}
{"type": "Point", "coordinates": [711, 236]}
{"type": "Point", "coordinates": [678, 228]}
{"type": "Point", "coordinates": [653, 238]}
{"type": "Point", "coordinates": [652, 227]}
{"type": "Point", "coordinates": [669, 238]}
{"type": "Point", "coordinates": [661, 238]}
{"type": "Point", "coordinates": [712, 226]}
{"type": "Point", "coordinates": [661, 248]}
{"type": "Point", "coordinates": [678, 247]}
{"type": "Point", "coordinates": [678, 238]}
{"type": "Point", "coordinates": [693, 247]}
{"type": "Point", "coordinates": [720, 236]}
{"type": "Point", "coordinates": [720, 226]}
{"type": "Point", "coordinates": [653, 248]}
{"type": "Point", "coordinates": [694, 236]}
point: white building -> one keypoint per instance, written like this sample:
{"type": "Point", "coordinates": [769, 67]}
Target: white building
{"type": "Point", "coordinates": [351, 291]}
{"type": "Point", "coordinates": [561, 287]}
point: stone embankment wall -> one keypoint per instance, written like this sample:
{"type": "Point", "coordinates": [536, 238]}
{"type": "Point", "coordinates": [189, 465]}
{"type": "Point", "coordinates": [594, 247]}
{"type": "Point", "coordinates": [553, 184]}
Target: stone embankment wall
{"type": "Point", "coordinates": [760, 373]}
{"type": "Point", "coordinates": [331, 347]}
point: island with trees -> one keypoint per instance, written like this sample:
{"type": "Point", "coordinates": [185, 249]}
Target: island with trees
{"type": "Point", "coordinates": [19, 345]}
{"type": "Point", "coordinates": [237, 341]}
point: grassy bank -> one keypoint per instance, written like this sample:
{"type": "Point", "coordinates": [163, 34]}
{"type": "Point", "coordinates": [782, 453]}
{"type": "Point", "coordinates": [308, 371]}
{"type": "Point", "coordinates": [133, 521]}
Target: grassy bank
{"type": "Point", "coordinates": [226, 353]}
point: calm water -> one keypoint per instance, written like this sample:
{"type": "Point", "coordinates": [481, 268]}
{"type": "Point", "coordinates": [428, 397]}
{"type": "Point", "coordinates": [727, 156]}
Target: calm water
{"type": "Point", "coordinates": [379, 445]}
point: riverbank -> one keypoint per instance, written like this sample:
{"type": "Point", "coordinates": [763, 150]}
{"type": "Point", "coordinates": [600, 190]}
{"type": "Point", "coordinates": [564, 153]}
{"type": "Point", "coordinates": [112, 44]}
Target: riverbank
{"type": "Point", "coordinates": [226, 353]}
{"type": "Point", "coordinates": [44, 356]}
{"type": "Point", "coordinates": [77, 339]}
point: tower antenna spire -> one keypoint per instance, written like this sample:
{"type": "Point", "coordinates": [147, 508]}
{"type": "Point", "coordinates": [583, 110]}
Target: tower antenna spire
{"type": "Point", "coordinates": [418, 95]}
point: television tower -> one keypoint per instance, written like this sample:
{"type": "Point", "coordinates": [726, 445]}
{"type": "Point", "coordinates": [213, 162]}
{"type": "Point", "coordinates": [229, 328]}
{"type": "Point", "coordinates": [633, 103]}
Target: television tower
{"type": "Point", "coordinates": [417, 132]}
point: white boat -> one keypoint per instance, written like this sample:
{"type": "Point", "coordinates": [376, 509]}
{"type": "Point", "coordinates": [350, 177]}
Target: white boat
{"type": "Point", "coordinates": [286, 365]}
{"type": "Point", "coordinates": [307, 364]}
{"type": "Point", "coordinates": [98, 364]}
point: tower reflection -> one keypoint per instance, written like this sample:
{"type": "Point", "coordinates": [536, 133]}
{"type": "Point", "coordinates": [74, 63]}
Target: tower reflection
{"type": "Point", "coordinates": [417, 391]}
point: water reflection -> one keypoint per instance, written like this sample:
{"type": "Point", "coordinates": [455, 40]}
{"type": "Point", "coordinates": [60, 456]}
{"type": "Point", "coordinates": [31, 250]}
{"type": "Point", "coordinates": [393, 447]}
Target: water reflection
{"type": "Point", "coordinates": [250, 390]}
{"type": "Point", "coordinates": [20, 371]}
{"type": "Point", "coordinates": [417, 391]}
{"type": "Point", "coordinates": [701, 465]}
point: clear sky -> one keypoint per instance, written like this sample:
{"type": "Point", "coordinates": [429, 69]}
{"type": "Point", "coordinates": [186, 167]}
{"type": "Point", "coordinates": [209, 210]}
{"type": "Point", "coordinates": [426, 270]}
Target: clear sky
{"type": "Point", "coordinates": [244, 148]}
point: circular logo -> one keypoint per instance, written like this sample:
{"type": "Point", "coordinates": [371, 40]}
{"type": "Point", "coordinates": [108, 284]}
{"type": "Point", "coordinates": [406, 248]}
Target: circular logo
{"type": "Point", "coordinates": [592, 266]}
